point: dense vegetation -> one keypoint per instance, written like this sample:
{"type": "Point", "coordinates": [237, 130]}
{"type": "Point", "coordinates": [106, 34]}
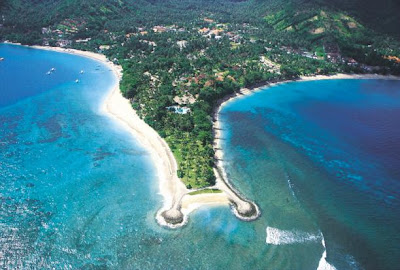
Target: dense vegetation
{"type": "Point", "coordinates": [181, 56]}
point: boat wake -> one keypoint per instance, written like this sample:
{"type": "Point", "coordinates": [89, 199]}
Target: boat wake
{"type": "Point", "coordinates": [290, 185]}
{"type": "Point", "coordinates": [276, 236]}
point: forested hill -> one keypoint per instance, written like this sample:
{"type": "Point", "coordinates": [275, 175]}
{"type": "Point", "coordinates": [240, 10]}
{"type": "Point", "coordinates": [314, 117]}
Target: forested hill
{"type": "Point", "coordinates": [180, 56]}
{"type": "Point", "coordinates": [383, 15]}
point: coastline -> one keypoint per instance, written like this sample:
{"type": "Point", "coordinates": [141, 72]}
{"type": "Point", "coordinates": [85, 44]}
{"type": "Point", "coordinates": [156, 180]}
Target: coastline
{"type": "Point", "coordinates": [177, 202]}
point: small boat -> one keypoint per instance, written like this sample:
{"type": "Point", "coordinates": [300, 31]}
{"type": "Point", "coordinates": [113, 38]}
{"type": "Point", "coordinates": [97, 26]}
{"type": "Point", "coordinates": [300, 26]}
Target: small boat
{"type": "Point", "coordinates": [76, 80]}
{"type": "Point", "coordinates": [82, 71]}
{"type": "Point", "coordinates": [48, 72]}
{"type": "Point", "coordinates": [1, 58]}
{"type": "Point", "coordinates": [52, 69]}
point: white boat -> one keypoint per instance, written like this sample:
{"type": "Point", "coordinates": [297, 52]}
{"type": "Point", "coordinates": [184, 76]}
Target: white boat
{"type": "Point", "coordinates": [48, 72]}
{"type": "Point", "coordinates": [82, 71]}
{"type": "Point", "coordinates": [1, 58]}
{"type": "Point", "coordinates": [52, 69]}
{"type": "Point", "coordinates": [76, 80]}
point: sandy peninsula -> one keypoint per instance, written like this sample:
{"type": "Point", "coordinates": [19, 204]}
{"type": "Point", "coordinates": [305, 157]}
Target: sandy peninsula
{"type": "Point", "coordinates": [178, 203]}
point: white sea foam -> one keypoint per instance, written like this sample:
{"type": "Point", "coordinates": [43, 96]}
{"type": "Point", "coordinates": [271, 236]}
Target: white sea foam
{"type": "Point", "coordinates": [323, 264]}
{"type": "Point", "coordinates": [281, 237]}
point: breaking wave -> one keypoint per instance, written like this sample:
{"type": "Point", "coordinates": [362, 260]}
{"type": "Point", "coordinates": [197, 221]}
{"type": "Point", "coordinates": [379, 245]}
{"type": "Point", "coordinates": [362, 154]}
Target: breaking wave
{"type": "Point", "coordinates": [323, 264]}
{"type": "Point", "coordinates": [281, 237]}
{"type": "Point", "coordinates": [276, 236]}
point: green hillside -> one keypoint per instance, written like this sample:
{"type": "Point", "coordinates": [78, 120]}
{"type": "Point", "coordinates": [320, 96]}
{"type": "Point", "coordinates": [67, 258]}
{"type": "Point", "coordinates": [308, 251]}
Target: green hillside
{"type": "Point", "coordinates": [382, 16]}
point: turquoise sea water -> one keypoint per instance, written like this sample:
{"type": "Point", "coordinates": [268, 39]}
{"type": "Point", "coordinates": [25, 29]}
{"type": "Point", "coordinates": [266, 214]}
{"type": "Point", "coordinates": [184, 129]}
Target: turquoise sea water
{"type": "Point", "coordinates": [78, 192]}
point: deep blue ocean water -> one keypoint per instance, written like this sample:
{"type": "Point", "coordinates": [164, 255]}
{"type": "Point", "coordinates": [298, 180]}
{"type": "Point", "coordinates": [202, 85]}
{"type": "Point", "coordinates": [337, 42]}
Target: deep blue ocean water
{"type": "Point", "coordinates": [78, 192]}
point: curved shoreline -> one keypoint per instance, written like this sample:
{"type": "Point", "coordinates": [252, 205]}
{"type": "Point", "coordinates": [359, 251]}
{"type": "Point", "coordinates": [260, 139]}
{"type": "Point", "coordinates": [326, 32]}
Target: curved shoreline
{"type": "Point", "coordinates": [119, 108]}
{"type": "Point", "coordinates": [177, 202]}
{"type": "Point", "coordinates": [263, 86]}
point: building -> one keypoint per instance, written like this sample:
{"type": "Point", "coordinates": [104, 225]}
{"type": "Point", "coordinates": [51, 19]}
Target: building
{"type": "Point", "coordinates": [83, 40]}
{"type": "Point", "coordinates": [159, 29]}
{"type": "Point", "coordinates": [178, 109]}
{"type": "Point", "coordinates": [104, 47]}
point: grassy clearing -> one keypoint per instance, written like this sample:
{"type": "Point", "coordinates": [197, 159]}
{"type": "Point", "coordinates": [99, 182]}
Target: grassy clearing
{"type": "Point", "coordinates": [204, 191]}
